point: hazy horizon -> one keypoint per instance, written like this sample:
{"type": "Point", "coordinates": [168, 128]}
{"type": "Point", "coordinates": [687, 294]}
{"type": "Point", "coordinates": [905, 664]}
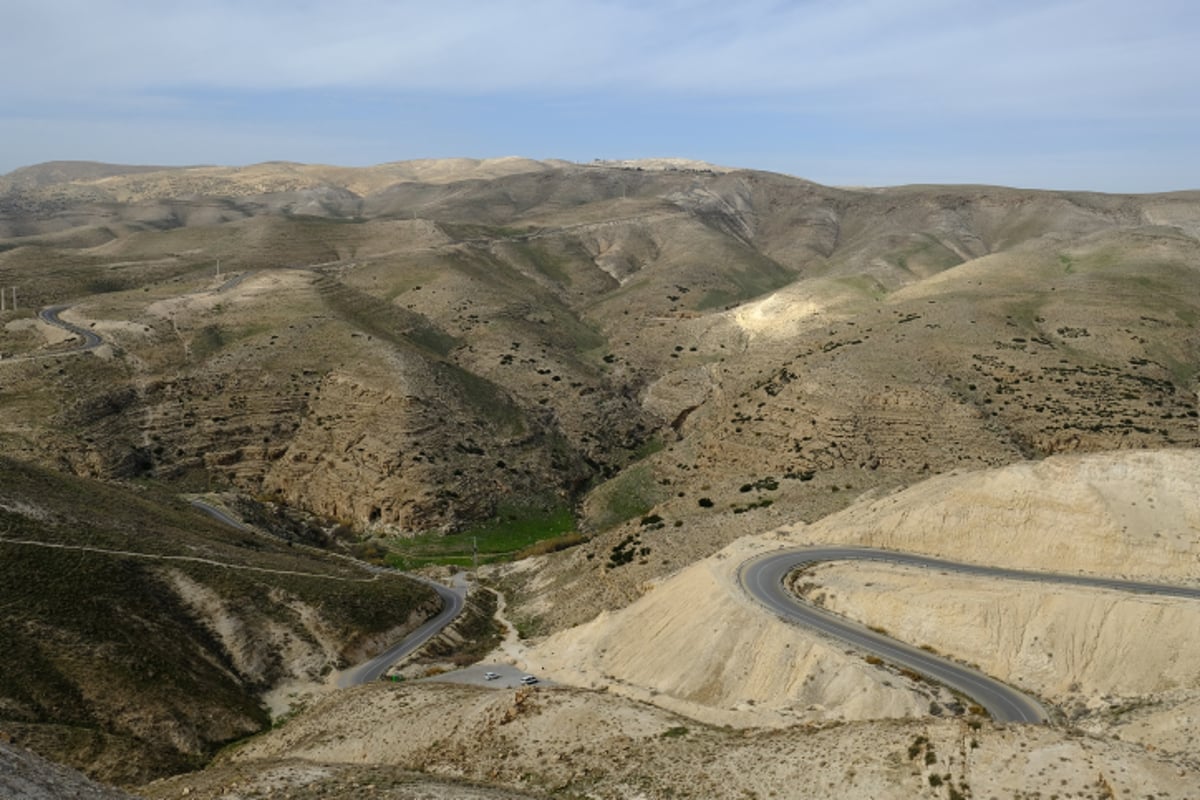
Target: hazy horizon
{"type": "Point", "coordinates": [1054, 95]}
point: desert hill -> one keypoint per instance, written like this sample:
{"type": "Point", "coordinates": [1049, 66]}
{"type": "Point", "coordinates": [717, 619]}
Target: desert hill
{"type": "Point", "coordinates": [670, 355]}
{"type": "Point", "coordinates": [694, 644]}
{"type": "Point", "coordinates": [564, 320]}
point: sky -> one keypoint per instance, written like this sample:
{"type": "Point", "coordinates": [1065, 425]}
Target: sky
{"type": "Point", "coordinates": [1062, 94]}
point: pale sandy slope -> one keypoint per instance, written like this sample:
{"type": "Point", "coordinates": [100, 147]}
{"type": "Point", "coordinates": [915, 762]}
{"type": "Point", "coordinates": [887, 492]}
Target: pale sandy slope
{"type": "Point", "coordinates": [696, 645]}
{"type": "Point", "coordinates": [694, 651]}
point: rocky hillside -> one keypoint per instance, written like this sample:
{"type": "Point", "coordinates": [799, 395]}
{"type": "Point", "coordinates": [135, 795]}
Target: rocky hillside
{"type": "Point", "coordinates": [137, 636]}
{"type": "Point", "coordinates": [405, 344]}
{"type": "Point", "coordinates": [29, 777]}
{"type": "Point", "coordinates": [1113, 663]}
{"type": "Point", "coordinates": [694, 691]}
{"type": "Point", "coordinates": [401, 741]}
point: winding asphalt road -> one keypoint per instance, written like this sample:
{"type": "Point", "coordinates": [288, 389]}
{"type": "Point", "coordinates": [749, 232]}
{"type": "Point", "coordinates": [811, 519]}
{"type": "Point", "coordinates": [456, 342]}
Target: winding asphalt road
{"type": "Point", "coordinates": [453, 600]}
{"type": "Point", "coordinates": [763, 579]}
{"type": "Point", "coordinates": [50, 316]}
{"type": "Point", "coordinates": [373, 670]}
{"type": "Point", "coordinates": [91, 340]}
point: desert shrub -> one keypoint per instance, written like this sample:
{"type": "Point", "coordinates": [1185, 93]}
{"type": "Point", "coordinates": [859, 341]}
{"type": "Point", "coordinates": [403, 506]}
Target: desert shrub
{"type": "Point", "coordinates": [626, 550]}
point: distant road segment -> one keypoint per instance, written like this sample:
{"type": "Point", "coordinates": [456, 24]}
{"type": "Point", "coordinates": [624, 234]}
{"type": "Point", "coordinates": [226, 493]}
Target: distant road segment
{"type": "Point", "coordinates": [50, 316]}
{"type": "Point", "coordinates": [91, 340]}
{"type": "Point", "coordinates": [763, 578]}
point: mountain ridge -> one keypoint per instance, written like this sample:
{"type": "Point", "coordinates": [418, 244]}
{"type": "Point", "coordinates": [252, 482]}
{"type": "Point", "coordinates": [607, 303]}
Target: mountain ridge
{"type": "Point", "coordinates": [620, 369]}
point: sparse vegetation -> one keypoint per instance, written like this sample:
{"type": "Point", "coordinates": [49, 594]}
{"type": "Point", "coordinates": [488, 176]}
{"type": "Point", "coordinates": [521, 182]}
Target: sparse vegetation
{"type": "Point", "coordinates": [626, 550]}
{"type": "Point", "coordinates": [633, 493]}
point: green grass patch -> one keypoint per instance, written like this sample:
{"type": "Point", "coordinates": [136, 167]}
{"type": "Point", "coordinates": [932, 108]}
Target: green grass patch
{"type": "Point", "coordinates": [648, 448]}
{"type": "Point", "coordinates": [552, 265]}
{"type": "Point", "coordinates": [759, 277]}
{"type": "Point", "coordinates": [515, 531]}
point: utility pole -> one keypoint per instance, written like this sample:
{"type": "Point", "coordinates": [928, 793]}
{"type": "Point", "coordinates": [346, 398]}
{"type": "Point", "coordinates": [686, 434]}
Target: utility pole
{"type": "Point", "coordinates": [14, 308]}
{"type": "Point", "coordinates": [218, 269]}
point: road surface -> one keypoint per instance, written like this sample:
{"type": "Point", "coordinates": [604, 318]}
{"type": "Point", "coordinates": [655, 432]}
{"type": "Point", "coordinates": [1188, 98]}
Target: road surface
{"type": "Point", "coordinates": [507, 677]}
{"type": "Point", "coordinates": [763, 577]}
{"type": "Point", "coordinates": [90, 340]}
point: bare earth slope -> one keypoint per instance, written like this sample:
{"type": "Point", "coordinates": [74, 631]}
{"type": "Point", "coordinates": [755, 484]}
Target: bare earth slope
{"type": "Point", "coordinates": [29, 777]}
{"type": "Point", "coordinates": [798, 714]}
{"type": "Point", "coordinates": [694, 643]}
{"type": "Point", "coordinates": [567, 742]}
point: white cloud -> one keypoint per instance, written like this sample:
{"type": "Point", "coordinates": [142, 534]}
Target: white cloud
{"type": "Point", "coordinates": [1085, 56]}
{"type": "Point", "coordinates": [974, 82]}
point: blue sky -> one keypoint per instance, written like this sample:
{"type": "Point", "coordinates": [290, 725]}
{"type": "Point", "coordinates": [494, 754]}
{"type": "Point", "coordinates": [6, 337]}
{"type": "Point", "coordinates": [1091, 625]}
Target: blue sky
{"type": "Point", "coordinates": [1096, 95]}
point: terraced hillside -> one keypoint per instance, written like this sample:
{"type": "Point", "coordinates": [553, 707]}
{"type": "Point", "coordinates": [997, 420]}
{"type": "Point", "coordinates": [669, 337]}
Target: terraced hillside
{"type": "Point", "coordinates": [411, 342]}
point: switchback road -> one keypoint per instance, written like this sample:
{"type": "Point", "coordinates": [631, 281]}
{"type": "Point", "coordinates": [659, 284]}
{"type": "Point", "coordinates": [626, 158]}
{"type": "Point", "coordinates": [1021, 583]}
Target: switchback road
{"type": "Point", "coordinates": [763, 578]}
{"type": "Point", "coordinates": [50, 316]}
{"type": "Point", "coordinates": [90, 340]}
